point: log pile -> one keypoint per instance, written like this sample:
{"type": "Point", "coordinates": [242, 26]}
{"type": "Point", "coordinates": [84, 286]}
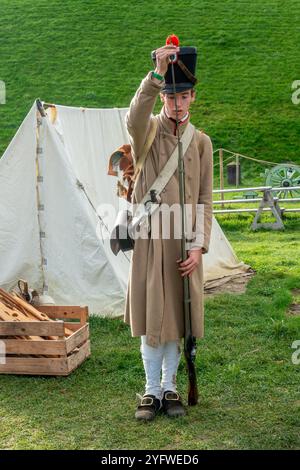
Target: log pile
{"type": "Point", "coordinates": [14, 308]}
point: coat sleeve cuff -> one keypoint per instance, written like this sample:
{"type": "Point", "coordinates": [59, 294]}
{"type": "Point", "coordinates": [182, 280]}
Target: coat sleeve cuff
{"type": "Point", "coordinates": [194, 246]}
{"type": "Point", "coordinates": [150, 87]}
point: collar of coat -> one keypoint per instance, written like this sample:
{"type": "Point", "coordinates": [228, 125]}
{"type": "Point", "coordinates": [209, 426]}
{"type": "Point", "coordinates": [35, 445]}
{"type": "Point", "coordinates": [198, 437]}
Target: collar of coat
{"type": "Point", "coordinates": [169, 124]}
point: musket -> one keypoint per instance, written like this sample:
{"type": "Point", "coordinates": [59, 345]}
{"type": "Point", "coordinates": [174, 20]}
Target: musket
{"type": "Point", "coordinates": [190, 345]}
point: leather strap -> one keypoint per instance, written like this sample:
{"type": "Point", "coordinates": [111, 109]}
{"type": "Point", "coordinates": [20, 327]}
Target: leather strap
{"type": "Point", "coordinates": [187, 72]}
{"type": "Point", "coordinates": [163, 178]}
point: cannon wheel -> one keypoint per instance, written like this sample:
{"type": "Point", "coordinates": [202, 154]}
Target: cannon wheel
{"type": "Point", "coordinates": [284, 175]}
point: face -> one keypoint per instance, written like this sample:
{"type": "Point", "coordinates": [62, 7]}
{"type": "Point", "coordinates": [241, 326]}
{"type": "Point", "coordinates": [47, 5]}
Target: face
{"type": "Point", "coordinates": [184, 100]}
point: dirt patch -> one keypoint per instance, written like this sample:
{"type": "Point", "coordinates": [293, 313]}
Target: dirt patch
{"type": "Point", "coordinates": [231, 284]}
{"type": "Point", "coordinates": [296, 292]}
{"type": "Point", "coordinates": [294, 308]}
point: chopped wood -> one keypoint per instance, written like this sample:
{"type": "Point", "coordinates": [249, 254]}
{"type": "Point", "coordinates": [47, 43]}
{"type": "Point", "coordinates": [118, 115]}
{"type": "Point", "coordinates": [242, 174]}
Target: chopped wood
{"type": "Point", "coordinates": [14, 308]}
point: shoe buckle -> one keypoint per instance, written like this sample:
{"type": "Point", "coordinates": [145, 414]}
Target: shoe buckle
{"type": "Point", "coordinates": [147, 401]}
{"type": "Point", "coordinates": [172, 393]}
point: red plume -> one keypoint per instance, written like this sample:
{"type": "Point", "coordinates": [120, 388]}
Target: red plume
{"type": "Point", "coordinates": [172, 39]}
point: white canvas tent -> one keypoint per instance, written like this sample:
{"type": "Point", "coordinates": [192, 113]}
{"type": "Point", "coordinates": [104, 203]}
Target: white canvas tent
{"type": "Point", "coordinates": [50, 234]}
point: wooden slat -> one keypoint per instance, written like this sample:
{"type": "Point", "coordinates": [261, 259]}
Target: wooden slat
{"type": "Point", "coordinates": [70, 327]}
{"type": "Point", "coordinates": [31, 311]}
{"type": "Point", "coordinates": [14, 308]}
{"type": "Point", "coordinates": [11, 328]}
{"type": "Point", "coordinates": [79, 337]}
{"type": "Point", "coordinates": [44, 366]}
{"type": "Point", "coordinates": [84, 315]}
{"type": "Point", "coordinates": [64, 309]}
{"type": "Point", "coordinates": [35, 366]}
{"type": "Point", "coordinates": [36, 313]}
{"type": "Point", "coordinates": [68, 311]}
{"type": "Point", "coordinates": [27, 309]}
{"type": "Point", "coordinates": [62, 315]}
{"type": "Point", "coordinates": [15, 316]}
{"type": "Point", "coordinates": [78, 357]}
{"type": "Point", "coordinates": [74, 326]}
{"type": "Point", "coordinates": [44, 347]}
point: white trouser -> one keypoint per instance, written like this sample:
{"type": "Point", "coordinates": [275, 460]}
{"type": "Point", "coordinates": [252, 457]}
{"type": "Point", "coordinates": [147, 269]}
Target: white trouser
{"type": "Point", "coordinates": [164, 358]}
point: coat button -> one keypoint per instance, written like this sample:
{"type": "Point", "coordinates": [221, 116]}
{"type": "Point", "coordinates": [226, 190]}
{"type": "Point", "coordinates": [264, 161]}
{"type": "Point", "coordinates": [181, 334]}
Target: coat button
{"type": "Point", "coordinates": [190, 159]}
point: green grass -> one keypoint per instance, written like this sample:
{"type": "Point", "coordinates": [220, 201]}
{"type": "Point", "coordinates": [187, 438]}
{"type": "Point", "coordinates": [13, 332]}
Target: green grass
{"type": "Point", "coordinates": [94, 54]}
{"type": "Point", "coordinates": [249, 387]}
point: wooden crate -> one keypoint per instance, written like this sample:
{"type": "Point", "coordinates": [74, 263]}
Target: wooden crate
{"type": "Point", "coordinates": [44, 356]}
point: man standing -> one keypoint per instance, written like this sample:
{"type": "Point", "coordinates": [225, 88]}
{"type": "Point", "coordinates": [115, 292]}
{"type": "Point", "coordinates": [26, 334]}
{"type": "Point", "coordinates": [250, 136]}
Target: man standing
{"type": "Point", "coordinates": [154, 304]}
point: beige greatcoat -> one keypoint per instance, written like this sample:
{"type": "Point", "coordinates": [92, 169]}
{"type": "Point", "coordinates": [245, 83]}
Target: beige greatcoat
{"type": "Point", "coordinates": [154, 301]}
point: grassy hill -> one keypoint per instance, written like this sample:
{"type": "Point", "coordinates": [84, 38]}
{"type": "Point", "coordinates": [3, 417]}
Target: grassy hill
{"type": "Point", "coordinates": [94, 54]}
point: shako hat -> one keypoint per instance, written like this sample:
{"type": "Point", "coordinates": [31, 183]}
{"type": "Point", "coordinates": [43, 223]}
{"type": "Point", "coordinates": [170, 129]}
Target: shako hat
{"type": "Point", "coordinates": [184, 68]}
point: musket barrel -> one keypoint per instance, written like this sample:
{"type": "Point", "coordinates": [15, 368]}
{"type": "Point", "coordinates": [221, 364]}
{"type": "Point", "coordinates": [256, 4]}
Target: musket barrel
{"type": "Point", "coordinates": [189, 340]}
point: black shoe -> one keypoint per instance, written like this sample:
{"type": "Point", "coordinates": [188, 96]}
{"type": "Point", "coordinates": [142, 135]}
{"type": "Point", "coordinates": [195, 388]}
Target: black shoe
{"type": "Point", "coordinates": [172, 404]}
{"type": "Point", "coordinates": [148, 408]}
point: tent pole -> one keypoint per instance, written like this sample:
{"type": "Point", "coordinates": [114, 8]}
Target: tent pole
{"type": "Point", "coordinates": [40, 113]}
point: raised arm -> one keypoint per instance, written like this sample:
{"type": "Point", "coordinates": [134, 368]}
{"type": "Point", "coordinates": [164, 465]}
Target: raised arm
{"type": "Point", "coordinates": [139, 114]}
{"type": "Point", "coordinates": [141, 107]}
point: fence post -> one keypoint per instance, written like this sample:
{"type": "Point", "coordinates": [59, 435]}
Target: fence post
{"type": "Point", "coordinates": [2, 92]}
{"type": "Point", "coordinates": [221, 174]}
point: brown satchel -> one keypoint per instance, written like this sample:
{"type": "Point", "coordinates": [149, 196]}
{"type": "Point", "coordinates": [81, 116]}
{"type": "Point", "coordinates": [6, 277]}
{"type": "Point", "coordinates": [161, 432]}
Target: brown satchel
{"type": "Point", "coordinates": [121, 164]}
{"type": "Point", "coordinates": [121, 161]}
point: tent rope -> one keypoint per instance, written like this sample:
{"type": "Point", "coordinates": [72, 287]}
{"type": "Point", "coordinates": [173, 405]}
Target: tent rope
{"type": "Point", "coordinates": [236, 154]}
{"type": "Point", "coordinates": [80, 186]}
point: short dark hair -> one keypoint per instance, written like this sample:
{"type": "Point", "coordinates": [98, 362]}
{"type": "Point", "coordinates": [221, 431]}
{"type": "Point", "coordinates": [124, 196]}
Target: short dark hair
{"type": "Point", "coordinates": [183, 91]}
